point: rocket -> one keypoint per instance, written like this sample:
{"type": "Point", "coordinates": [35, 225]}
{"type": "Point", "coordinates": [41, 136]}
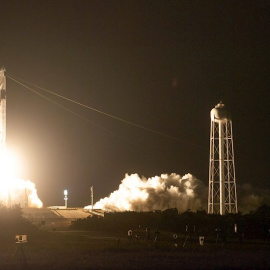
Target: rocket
{"type": "Point", "coordinates": [2, 110]}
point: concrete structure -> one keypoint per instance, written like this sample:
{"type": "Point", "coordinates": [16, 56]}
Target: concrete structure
{"type": "Point", "coordinates": [222, 197]}
{"type": "Point", "coordinates": [52, 218]}
{"type": "Point", "coordinates": [57, 217]}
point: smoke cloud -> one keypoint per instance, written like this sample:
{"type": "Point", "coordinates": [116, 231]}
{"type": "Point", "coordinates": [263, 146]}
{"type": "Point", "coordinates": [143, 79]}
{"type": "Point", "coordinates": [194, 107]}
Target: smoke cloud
{"type": "Point", "coordinates": [250, 198]}
{"type": "Point", "coordinates": [137, 193]}
{"type": "Point", "coordinates": [157, 193]}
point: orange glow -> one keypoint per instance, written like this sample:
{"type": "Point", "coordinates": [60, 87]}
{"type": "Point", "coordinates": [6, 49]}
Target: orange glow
{"type": "Point", "coordinates": [12, 189]}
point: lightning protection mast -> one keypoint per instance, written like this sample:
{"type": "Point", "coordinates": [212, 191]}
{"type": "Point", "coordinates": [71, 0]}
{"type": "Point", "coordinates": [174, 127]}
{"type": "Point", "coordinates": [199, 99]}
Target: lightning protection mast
{"type": "Point", "coordinates": [92, 197]}
{"type": "Point", "coordinates": [222, 198]}
{"type": "Point", "coordinates": [2, 110]}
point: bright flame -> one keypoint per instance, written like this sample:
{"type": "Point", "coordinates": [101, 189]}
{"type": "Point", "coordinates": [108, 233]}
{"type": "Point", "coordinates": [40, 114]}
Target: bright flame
{"type": "Point", "coordinates": [14, 190]}
{"type": "Point", "coordinates": [8, 165]}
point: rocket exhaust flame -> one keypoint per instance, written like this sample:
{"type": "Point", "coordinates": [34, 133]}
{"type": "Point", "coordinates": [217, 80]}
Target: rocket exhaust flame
{"type": "Point", "coordinates": [12, 190]}
{"type": "Point", "coordinates": [21, 192]}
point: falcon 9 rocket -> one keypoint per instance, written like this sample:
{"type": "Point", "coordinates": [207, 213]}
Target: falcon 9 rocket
{"type": "Point", "coordinates": [2, 110]}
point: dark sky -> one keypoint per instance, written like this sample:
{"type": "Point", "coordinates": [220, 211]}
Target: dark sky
{"type": "Point", "coordinates": [160, 64]}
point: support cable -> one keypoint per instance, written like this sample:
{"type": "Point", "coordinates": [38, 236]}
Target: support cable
{"type": "Point", "coordinates": [17, 80]}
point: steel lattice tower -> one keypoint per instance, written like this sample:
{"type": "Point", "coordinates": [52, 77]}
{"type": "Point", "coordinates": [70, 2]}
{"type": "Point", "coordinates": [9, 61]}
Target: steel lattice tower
{"type": "Point", "coordinates": [222, 197]}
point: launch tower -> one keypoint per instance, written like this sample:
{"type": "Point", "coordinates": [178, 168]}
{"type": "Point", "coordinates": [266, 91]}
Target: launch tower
{"type": "Point", "coordinates": [222, 198]}
{"type": "Point", "coordinates": [2, 110]}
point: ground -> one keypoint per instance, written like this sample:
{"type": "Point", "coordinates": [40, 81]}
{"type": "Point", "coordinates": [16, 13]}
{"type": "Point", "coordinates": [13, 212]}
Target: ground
{"type": "Point", "coordinates": [112, 250]}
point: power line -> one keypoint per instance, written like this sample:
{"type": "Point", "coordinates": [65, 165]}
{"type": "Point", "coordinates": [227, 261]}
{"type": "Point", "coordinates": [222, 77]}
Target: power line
{"type": "Point", "coordinates": [93, 109]}
{"type": "Point", "coordinates": [61, 106]}
{"type": "Point", "coordinates": [76, 114]}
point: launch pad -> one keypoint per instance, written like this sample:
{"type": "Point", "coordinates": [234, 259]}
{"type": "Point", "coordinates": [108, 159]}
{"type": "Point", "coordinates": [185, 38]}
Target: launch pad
{"type": "Point", "coordinates": [48, 218]}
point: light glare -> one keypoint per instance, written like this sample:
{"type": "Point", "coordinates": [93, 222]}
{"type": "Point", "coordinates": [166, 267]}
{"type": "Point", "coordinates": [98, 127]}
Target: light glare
{"type": "Point", "coordinates": [12, 189]}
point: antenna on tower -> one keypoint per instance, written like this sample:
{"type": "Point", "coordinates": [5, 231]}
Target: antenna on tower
{"type": "Point", "coordinates": [222, 198]}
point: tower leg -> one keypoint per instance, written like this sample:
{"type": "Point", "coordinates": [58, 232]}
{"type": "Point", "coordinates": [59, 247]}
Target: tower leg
{"type": "Point", "coordinates": [221, 168]}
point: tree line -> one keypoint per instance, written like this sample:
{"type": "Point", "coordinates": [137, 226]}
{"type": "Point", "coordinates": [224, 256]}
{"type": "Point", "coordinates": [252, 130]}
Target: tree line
{"type": "Point", "coordinates": [252, 226]}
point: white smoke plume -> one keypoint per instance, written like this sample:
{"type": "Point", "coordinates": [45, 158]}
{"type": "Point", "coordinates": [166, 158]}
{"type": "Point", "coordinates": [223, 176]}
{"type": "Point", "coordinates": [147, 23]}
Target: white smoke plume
{"type": "Point", "coordinates": [156, 193]}
{"type": "Point", "coordinates": [20, 192]}
{"type": "Point", "coordinates": [173, 191]}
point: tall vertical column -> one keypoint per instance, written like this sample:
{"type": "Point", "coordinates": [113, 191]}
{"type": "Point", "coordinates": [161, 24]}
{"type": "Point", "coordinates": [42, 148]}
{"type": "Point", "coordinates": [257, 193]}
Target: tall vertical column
{"type": "Point", "coordinates": [222, 198]}
{"type": "Point", "coordinates": [92, 197]}
{"type": "Point", "coordinates": [2, 110]}
{"type": "Point", "coordinates": [221, 168]}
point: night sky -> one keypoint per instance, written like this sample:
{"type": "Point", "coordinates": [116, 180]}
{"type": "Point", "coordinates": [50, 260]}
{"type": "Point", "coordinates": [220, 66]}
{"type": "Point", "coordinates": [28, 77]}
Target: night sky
{"type": "Point", "coordinates": [162, 65]}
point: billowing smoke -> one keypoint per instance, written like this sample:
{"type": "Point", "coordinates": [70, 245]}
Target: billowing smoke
{"type": "Point", "coordinates": [20, 192]}
{"type": "Point", "coordinates": [250, 198]}
{"type": "Point", "coordinates": [173, 191]}
{"type": "Point", "coordinates": [157, 193]}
